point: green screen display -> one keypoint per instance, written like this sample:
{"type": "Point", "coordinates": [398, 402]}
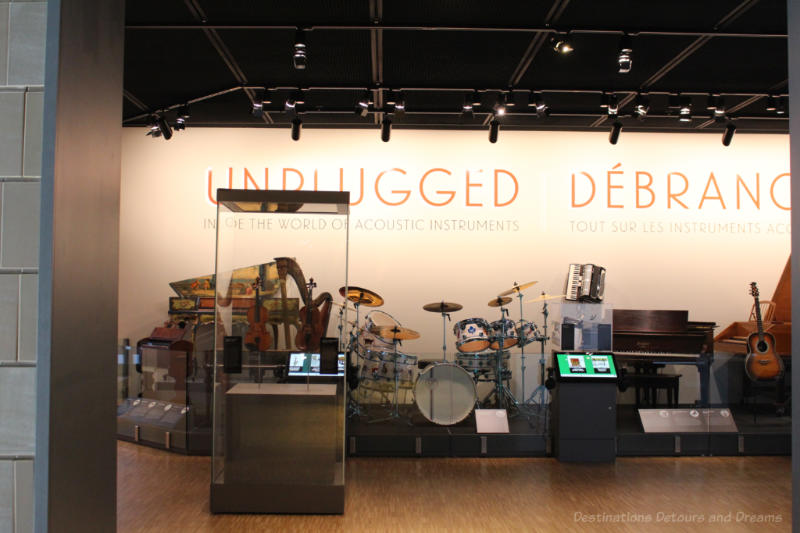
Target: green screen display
{"type": "Point", "coordinates": [586, 365]}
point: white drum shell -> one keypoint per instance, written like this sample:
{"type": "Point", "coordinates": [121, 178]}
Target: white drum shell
{"type": "Point", "coordinates": [445, 393]}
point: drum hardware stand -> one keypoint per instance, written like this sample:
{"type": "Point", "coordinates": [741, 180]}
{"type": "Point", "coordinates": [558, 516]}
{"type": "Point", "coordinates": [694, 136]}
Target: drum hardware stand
{"type": "Point", "coordinates": [394, 414]}
{"type": "Point", "coordinates": [354, 407]}
{"type": "Point", "coordinates": [444, 335]}
{"type": "Point", "coordinates": [540, 396]}
{"type": "Point", "coordinates": [503, 397]}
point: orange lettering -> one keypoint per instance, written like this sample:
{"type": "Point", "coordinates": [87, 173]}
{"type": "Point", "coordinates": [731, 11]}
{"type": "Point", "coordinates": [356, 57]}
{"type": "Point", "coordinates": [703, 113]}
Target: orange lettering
{"type": "Point", "coordinates": [299, 174]}
{"type": "Point", "coordinates": [248, 177]}
{"type": "Point", "coordinates": [341, 185]}
{"type": "Point", "coordinates": [647, 188]}
{"type": "Point", "coordinates": [712, 179]}
{"type": "Point", "coordinates": [591, 197]}
{"type": "Point", "coordinates": [211, 195]}
{"type": "Point", "coordinates": [422, 189]}
{"type": "Point", "coordinates": [671, 196]}
{"type": "Point", "coordinates": [772, 191]}
{"type": "Point", "coordinates": [608, 192]}
{"type": "Point", "coordinates": [378, 193]}
{"type": "Point", "coordinates": [516, 187]}
{"type": "Point", "coordinates": [756, 199]}
{"type": "Point", "coordinates": [468, 204]}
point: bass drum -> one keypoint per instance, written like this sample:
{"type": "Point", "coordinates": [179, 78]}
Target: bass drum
{"type": "Point", "coordinates": [445, 393]}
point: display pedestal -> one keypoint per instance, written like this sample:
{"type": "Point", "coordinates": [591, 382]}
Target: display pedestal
{"type": "Point", "coordinates": [281, 450]}
{"type": "Point", "coordinates": [584, 418]}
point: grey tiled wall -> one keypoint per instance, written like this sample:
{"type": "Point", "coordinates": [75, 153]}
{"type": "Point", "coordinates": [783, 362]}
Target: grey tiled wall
{"type": "Point", "coordinates": [22, 44]}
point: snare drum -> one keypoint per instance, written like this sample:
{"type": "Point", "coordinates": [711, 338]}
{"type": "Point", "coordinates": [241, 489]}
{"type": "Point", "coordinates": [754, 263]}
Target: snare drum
{"type": "Point", "coordinates": [445, 393]}
{"type": "Point", "coordinates": [506, 329]}
{"type": "Point", "coordinates": [472, 335]}
{"type": "Point", "coordinates": [378, 367]}
{"type": "Point", "coordinates": [482, 364]}
{"type": "Point", "coordinates": [528, 333]}
{"type": "Point", "coordinates": [376, 319]}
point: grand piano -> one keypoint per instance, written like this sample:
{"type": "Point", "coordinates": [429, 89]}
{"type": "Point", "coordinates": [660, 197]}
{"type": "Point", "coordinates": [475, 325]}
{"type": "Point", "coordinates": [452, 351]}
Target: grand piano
{"type": "Point", "coordinates": [649, 338]}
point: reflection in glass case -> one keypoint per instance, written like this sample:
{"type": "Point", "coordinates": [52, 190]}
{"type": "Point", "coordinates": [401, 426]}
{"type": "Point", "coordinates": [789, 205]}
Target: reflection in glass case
{"type": "Point", "coordinates": [278, 439]}
{"type": "Point", "coordinates": [164, 389]}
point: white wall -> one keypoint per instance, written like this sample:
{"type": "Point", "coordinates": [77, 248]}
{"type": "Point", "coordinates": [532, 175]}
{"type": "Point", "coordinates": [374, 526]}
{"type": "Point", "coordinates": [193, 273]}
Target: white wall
{"type": "Point", "coordinates": [659, 254]}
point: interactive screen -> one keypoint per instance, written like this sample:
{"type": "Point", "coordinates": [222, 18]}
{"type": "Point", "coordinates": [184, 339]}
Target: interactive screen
{"type": "Point", "coordinates": [307, 364]}
{"type": "Point", "coordinates": [586, 365]}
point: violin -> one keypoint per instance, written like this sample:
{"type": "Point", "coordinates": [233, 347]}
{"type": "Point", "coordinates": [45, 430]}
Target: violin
{"type": "Point", "coordinates": [257, 336]}
{"type": "Point", "coordinates": [313, 321]}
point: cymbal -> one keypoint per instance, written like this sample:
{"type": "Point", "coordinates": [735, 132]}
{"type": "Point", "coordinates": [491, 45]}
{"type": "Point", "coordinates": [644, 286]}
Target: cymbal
{"type": "Point", "coordinates": [518, 288]}
{"type": "Point", "coordinates": [544, 296]}
{"type": "Point", "coordinates": [396, 332]}
{"type": "Point", "coordinates": [362, 296]}
{"type": "Point", "coordinates": [443, 307]}
{"type": "Point", "coordinates": [500, 300]}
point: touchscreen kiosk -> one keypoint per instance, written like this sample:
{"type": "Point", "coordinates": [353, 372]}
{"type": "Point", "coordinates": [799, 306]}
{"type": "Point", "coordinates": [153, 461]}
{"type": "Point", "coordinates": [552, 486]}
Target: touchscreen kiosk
{"type": "Point", "coordinates": [307, 364]}
{"type": "Point", "coordinates": [585, 366]}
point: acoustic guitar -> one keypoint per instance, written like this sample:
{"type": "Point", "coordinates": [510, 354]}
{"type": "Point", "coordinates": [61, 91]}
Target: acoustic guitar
{"type": "Point", "coordinates": [761, 363]}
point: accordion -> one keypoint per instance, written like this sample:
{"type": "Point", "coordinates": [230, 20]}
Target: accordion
{"type": "Point", "coordinates": [585, 283]}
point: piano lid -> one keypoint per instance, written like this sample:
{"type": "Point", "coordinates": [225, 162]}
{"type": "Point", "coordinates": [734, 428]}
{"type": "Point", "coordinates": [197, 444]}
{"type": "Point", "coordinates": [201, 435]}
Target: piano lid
{"type": "Point", "coordinates": [650, 321]}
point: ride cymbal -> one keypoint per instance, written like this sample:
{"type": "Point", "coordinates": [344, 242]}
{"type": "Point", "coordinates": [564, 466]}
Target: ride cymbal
{"type": "Point", "coordinates": [362, 296]}
{"type": "Point", "coordinates": [443, 307]}
{"type": "Point", "coordinates": [518, 288]}
{"type": "Point", "coordinates": [544, 296]}
{"type": "Point", "coordinates": [499, 301]}
{"type": "Point", "coordinates": [396, 332]}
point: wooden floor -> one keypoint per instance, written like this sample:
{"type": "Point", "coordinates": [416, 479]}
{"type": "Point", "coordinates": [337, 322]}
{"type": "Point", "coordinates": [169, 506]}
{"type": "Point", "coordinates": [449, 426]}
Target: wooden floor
{"type": "Point", "coordinates": [160, 491]}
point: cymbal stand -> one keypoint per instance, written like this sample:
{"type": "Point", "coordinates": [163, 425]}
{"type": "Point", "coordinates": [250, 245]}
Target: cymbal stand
{"type": "Point", "coordinates": [521, 345]}
{"type": "Point", "coordinates": [503, 397]}
{"type": "Point", "coordinates": [394, 414]}
{"type": "Point", "coordinates": [354, 405]}
{"type": "Point", "coordinates": [444, 335]}
{"type": "Point", "coordinates": [540, 395]}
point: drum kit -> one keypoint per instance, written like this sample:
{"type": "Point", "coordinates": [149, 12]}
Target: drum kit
{"type": "Point", "coordinates": [444, 392]}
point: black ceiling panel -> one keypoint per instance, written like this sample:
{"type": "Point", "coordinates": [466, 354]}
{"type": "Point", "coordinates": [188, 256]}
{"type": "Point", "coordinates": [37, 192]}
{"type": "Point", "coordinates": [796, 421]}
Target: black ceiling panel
{"type": "Point", "coordinates": [272, 12]}
{"type": "Point", "coordinates": [645, 15]}
{"type": "Point", "coordinates": [731, 65]}
{"type": "Point", "coordinates": [167, 68]}
{"type": "Point", "coordinates": [451, 58]}
{"type": "Point", "coordinates": [493, 46]}
{"type": "Point", "coordinates": [451, 13]}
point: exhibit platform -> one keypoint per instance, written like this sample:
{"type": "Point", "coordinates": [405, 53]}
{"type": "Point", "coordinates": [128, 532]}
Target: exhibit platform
{"type": "Point", "coordinates": [762, 433]}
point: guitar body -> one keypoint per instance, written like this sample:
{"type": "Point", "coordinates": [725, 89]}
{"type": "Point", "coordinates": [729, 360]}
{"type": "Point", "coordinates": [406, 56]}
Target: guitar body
{"type": "Point", "coordinates": [762, 363]}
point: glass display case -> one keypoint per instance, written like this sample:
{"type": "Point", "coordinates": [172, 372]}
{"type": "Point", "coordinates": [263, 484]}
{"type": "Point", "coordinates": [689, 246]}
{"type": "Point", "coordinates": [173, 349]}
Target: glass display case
{"type": "Point", "coordinates": [278, 382]}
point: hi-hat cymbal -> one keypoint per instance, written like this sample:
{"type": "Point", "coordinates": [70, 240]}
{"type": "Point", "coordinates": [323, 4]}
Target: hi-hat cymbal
{"type": "Point", "coordinates": [499, 301]}
{"type": "Point", "coordinates": [362, 296]}
{"type": "Point", "coordinates": [518, 288]}
{"type": "Point", "coordinates": [443, 307]}
{"type": "Point", "coordinates": [395, 332]}
{"type": "Point", "coordinates": [544, 296]}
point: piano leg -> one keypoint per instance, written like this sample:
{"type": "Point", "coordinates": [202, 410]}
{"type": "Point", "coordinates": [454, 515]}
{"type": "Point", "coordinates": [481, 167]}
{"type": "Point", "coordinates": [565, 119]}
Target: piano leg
{"type": "Point", "coordinates": [704, 368]}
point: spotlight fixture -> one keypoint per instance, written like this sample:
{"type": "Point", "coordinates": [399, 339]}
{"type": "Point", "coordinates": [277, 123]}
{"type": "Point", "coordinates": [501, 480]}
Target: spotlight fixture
{"type": "Point", "coordinates": [159, 127]}
{"type": "Point", "coordinates": [641, 106]}
{"type": "Point", "coordinates": [772, 103]}
{"type": "Point", "coordinates": [476, 99]}
{"type": "Point", "coordinates": [362, 106]}
{"type": "Point", "coordinates": [536, 100]}
{"type": "Point", "coordinates": [685, 109]}
{"type": "Point", "coordinates": [467, 107]}
{"type": "Point", "coordinates": [297, 124]}
{"type": "Point", "coordinates": [386, 129]}
{"type": "Point", "coordinates": [727, 135]}
{"type": "Point", "coordinates": [616, 129]}
{"type": "Point", "coordinates": [183, 116]}
{"type": "Point", "coordinates": [500, 106]}
{"type": "Point", "coordinates": [290, 105]}
{"type": "Point", "coordinates": [562, 43]}
{"type": "Point", "coordinates": [780, 107]}
{"type": "Point", "coordinates": [399, 104]}
{"type": "Point", "coordinates": [494, 128]}
{"type": "Point", "coordinates": [300, 56]}
{"type": "Point", "coordinates": [613, 104]}
{"type": "Point", "coordinates": [716, 104]}
{"type": "Point", "coordinates": [625, 57]}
